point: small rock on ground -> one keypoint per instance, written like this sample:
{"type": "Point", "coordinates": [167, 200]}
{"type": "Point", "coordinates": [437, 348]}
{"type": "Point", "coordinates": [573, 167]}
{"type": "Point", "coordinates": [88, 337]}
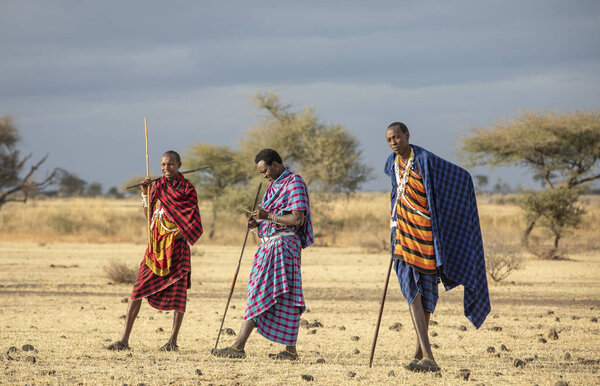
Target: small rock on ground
{"type": "Point", "coordinates": [396, 326]}
{"type": "Point", "coordinates": [356, 351]}
{"type": "Point", "coordinates": [320, 360]}
{"type": "Point", "coordinates": [228, 331]}
{"type": "Point", "coordinates": [542, 340]}
{"type": "Point", "coordinates": [342, 328]}
{"type": "Point", "coordinates": [160, 329]}
{"type": "Point", "coordinates": [503, 348]}
{"type": "Point", "coordinates": [553, 334]}
{"type": "Point", "coordinates": [462, 327]}
{"type": "Point", "coordinates": [307, 377]}
{"type": "Point", "coordinates": [312, 332]}
{"type": "Point", "coordinates": [568, 356]}
{"type": "Point", "coordinates": [351, 374]}
{"type": "Point", "coordinates": [561, 383]}
{"type": "Point", "coordinates": [433, 333]}
{"type": "Point", "coordinates": [464, 374]}
{"type": "Point", "coordinates": [31, 359]}
{"type": "Point", "coordinates": [304, 323]}
{"type": "Point", "coordinates": [391, 373]}
{"type": "Point", "coordinates": [27, 347]}
{"type": "Point", "coordinates": [198, 372]}
{"type": "Point", "coordinates": [355, 338]}
{"type": "Point", "coordinates": [519, 363]}
{"type": "Point", "coordinates": [315, 324]}
{"type": "Point", "coordinates": [491, 349]}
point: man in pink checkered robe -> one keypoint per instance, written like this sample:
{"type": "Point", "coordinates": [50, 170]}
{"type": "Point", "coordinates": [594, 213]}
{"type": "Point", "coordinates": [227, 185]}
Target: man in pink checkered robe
{"type": "Point", "coordinates": [275, 300]}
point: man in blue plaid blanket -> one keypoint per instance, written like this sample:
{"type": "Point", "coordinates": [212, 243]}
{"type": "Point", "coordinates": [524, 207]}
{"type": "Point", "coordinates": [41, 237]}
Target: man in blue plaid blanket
{"type": "Point", "coordinates": [435, 236]}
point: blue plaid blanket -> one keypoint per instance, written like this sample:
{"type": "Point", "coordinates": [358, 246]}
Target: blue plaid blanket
{"type": "Point", "coordinates": [455, 227]}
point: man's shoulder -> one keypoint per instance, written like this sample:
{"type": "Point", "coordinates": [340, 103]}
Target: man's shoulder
{"type": "Point", "coordinates": [187, 187]}
{"type": "Point", "coordinates": [433, 162]}
{"type": "Point", "coordinates": [296, 179]}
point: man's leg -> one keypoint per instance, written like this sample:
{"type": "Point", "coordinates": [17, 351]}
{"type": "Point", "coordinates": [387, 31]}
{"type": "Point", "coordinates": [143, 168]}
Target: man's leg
{"type": "Point", "coordinates": [132, 312]}
{"type": "Point", "coordinates": [420, 320]}
{"type": "Point", "coordinates": [418, 350]}
{"type": "Point", "coordinates": [247, 327]}
{"type": "Point", "coordinates": [177, 320]}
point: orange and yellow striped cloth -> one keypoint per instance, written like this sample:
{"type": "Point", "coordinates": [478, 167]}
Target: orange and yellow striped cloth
{"type": "Point", "coordinates": [414, 239]}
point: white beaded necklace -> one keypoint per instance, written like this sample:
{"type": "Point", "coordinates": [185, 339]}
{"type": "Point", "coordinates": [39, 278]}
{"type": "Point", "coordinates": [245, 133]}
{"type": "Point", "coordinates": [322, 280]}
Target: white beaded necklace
{"type": "Point", "coordinates": [401, 187]}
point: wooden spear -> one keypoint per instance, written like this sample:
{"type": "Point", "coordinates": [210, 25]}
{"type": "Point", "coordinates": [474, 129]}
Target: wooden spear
{"type": "Point", "coordinates": [188, 171]}
{"type": "Point", "coordinates": [387, 279]}
{"type": "Point", "coordinates": [237, 269]}
{"type": "Point", "coordinates": [148, 176]}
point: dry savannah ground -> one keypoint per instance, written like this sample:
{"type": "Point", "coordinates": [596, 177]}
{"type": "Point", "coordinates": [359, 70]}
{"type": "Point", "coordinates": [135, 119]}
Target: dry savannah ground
{"type": "Point", "coordinates": [55, 296]}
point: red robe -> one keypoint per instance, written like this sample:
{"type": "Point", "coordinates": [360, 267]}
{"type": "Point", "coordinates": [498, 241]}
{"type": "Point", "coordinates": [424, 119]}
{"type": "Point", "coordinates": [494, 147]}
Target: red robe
{"type": "Point", "coordinates": [164, 274]}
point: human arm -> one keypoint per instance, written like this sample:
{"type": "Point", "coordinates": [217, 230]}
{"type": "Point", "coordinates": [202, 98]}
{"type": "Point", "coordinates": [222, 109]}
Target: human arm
{"type": "Point", "coordinates": [295, 218]}
{"type": "Point", "coordinates": [145, 187]}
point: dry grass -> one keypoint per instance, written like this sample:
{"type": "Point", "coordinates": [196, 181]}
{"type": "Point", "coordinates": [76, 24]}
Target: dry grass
{"type": "Point", "coordinates": [120, 273]}
{"type": "Point", "coordinates": [357, 220]}
{"type": "Point", "coordinates": [55, 297]}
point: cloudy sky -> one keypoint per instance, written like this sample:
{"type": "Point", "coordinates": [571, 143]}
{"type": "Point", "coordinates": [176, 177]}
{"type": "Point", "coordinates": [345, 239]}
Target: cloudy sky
{"type": "Point", "coordinates": [79, 76]}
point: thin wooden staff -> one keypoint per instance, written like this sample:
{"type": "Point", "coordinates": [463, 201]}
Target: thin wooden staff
{"type": "Point", "coordinates": [148, 176]}
{"type": "Point", "coordinates": [237, 270]}
{"type": "Point", "coordinates": [188, 171]}
{"type": "Point", "coordinates": [387, 279]}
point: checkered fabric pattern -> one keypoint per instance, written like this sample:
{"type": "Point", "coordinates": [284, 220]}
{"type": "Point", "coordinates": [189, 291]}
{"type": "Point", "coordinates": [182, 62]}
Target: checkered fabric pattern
{"type": "Point", "coordinates": [287, 193]}
{"type": "Point", "coordinates": [456, 231]}
{"type": "Point", "coordinates": [413, 282]}
{"type": "Point", "coordinates": [180, 202]}
{"type": "Point", "coordinates": [166, 292]}
{"type": "Point", "coordinates": [275, 299]}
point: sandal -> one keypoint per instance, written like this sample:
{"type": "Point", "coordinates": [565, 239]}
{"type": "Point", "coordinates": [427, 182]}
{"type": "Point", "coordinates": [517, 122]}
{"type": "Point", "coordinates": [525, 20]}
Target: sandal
{"type": "Point", "coordinates": [411, 365]}
{"type": "Point", "coordinates": [284, 355]}
{"type": "Point", "coordinates": [118, 346]}
{"type": "Point", "coordinates": [169, 347]}
{"type": "Point", "coordinates": [229, 352]}
{"type": "Point", "coordinates": [426, 365]}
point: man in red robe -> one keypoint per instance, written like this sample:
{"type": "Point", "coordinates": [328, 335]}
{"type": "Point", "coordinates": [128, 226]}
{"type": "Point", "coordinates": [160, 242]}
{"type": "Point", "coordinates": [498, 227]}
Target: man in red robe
{"type": "Point", "coordinates": [164, 274]}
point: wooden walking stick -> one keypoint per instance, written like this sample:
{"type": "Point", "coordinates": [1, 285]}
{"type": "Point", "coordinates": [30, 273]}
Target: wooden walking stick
{"type": "Point", "coordinates": [148, 176]}
{"type": "Point", "coordinates": [237, 270]}
{"type": "Point", "coordinates": [387, 279]}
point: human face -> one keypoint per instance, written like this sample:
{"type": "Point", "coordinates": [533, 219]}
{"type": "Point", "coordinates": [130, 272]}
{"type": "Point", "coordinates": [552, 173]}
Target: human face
{"type": "Point", "coordinates": [269, 172]}
{"type": "Point", "coordinates": [169, 166]}
{"type": "Point", "coordinates": [398, 141]}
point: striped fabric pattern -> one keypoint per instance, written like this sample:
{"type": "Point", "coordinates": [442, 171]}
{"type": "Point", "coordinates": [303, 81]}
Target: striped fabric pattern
{"type": "Point", "coordinates": [455, 226]}
{"type": "Point", "coordinates": [414, 239]}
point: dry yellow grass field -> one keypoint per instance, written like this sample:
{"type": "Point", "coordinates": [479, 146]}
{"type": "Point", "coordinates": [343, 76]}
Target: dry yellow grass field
{"type": "Point", "coordinates": [54, 296]}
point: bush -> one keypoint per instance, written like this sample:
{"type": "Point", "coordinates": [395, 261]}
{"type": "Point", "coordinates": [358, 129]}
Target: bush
{"type": "Point", "coordinates": [120, 273]}
{"type": "Point", "coordinates": [501, 259]}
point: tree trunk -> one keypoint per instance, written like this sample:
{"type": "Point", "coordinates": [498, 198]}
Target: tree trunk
{"type": "Point", "coordinates": [213, 224]}
{"type": "Point", "coordinates": [525, 238]}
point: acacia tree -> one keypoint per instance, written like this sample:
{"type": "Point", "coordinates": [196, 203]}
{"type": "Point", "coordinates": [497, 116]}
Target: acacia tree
{"type": "Point", "coordinates": [562, 150]}
{"type": "Point", "coordinates": [16, 182]}
{"type": "Point", "coordinates": [215, 183]}
{"type": "Point", "coordinates": [326, 155]}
